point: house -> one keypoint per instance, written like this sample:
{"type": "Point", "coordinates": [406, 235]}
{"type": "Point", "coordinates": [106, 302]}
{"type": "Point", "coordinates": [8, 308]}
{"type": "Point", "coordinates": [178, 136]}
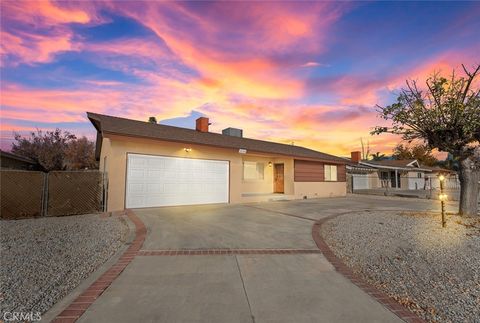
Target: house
{"type": "Point", "coordinates": [149, 165]}
{"type": "Point", "coordinates": [13, 161]}
{"type": "Point", "coordinates": [405, 174]}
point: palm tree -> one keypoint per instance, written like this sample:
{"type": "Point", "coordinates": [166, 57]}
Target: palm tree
{"type": "Point", "coordinates": [378, 156]}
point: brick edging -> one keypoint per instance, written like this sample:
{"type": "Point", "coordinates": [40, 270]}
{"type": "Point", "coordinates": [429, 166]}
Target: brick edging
{"type": "Point", "coordinates": [86, 299]}
{"type": "Point", "coordinates": [210, 252]}
{"type": "Point", "coordinates": [399, 310]}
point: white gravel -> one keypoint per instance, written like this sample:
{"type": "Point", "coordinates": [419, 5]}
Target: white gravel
{"type": "Point", "coordinates": [435, 271]}
{"type": "Point", "coordinates": [43, 259]}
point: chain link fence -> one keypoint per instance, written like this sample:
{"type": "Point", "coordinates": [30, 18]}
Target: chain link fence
{"type": "Point", "coordinates": [31, 194]}
{"type": "Point", "coordinates": [21, 193]}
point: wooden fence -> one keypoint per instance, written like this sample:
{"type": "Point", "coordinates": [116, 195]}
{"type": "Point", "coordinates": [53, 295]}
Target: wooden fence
{"type": "Point", "coordinates": [26, 194]}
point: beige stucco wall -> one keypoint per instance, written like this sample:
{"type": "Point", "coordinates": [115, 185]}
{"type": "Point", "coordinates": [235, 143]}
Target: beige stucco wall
{"type": "Point", "coordinates": [319, 189]}
{"type": "Point", "coordinates": [250, 186]}
{"type": "Point", "coordinates": [115, 149]}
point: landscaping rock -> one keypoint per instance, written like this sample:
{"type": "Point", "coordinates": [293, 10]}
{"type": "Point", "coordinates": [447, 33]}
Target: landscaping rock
{"type": "Point", "coordinates": [432, 270]}
{"type": "Point", "coordinates": [43, 259]}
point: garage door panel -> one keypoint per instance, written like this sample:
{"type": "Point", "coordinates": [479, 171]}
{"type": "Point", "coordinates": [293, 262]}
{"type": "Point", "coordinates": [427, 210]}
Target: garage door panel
{"type": "Point", "coordinates": [162, 181]}
{"type": "Point", "coordinates": [360, 181]}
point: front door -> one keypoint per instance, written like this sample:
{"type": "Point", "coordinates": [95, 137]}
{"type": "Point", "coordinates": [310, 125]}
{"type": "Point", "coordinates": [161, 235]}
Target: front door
{"type": "Point", "coordinates": [278, 178]}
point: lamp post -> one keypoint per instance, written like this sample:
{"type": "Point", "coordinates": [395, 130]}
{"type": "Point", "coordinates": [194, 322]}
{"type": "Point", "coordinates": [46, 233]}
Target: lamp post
{"type": "Point", "coordinates": [442, 197]}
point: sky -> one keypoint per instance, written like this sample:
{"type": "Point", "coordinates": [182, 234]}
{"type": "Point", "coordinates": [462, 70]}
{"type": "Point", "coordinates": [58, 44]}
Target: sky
{"type": "Point", "coordinates": [309, 73]}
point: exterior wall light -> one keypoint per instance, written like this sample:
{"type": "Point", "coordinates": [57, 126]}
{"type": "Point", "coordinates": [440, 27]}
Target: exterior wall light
{"type": "Point", "coordinates": [187, 150]}
{"type": "Point", "coordinates": [269, 164]}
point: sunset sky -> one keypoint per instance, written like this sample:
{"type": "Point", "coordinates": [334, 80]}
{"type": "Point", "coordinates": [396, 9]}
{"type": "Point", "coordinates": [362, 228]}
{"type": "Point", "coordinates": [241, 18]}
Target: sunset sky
{"type": "Point", "coordinates": [305, 72]}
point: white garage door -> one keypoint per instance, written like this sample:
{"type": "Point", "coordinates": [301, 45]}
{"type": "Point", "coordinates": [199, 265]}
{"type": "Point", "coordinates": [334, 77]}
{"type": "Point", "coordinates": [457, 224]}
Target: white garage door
{"type": "Point", "coordinates": [162, 181]}
{"type": "Point", "coordinates": [360, 181]}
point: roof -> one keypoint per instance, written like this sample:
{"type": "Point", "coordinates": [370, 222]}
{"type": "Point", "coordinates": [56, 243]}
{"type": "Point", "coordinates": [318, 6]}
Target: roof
{"type": "Point", "coordinates": [402, 164]}
{"type": "Point", "coordinates": [17, 157]}
{"type": "Point", "coordinates": [437, 169]}
{"type": "Point", "coordinates": [126, 127]}
{"type": "Point", "coordinates": [351, 164]}
{"type": "Point", "coordinates": [391, 162]}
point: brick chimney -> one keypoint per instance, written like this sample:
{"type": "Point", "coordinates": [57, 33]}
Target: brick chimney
{"type": "Point", "coordinates": [202, 124]}
{"type": "Point", "coordinates": [356, 156]}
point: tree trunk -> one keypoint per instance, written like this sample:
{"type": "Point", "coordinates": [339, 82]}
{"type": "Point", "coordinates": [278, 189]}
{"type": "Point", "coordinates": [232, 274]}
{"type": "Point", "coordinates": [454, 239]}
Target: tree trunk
{"type": "Point", "coordinates": [469, 176]}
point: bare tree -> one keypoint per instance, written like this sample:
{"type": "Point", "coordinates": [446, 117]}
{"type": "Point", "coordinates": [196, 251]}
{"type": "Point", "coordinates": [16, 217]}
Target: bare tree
{"type": "Point", "coordinates": [365, 149]}
{"type": "Point", "coordinates": [46, 148]}
{"type": "Point", "coordinates": [56, 150]}
{"type": "Point", "coordinates": [446, 116]}
{"type": "Point", "coordinates": [80, 154]}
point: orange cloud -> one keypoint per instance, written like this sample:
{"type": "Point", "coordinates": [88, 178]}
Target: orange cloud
{"type": "Point", "coordinates": [202, 48]}
{"type": "Point", "coordinates": [45, 12]}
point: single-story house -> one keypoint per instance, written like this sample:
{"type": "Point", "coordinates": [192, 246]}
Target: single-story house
{"type": "Point", "coordinates": [405, 174]}
{"type": "Point", "coordinates": [9, 160]}
{"type": "Point", "coordinates": [149, 165]}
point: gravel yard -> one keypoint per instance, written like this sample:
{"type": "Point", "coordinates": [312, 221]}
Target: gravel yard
{"type": "Point", "coordinates": [433, 271]}
{"type": "Point", "coordinates": [43, 259]}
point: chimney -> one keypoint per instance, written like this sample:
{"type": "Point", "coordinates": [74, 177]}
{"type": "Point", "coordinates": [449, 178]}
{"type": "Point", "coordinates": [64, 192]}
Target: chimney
{"type": "Point", "coordinates": [234, 132]}
{"type": "Point", "coordinates": [356, 156]}
{"type": "Point", "coordinates": [202, 124]}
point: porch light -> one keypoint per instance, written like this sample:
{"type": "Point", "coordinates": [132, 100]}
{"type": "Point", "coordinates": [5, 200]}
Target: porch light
{"type": "Point", "coordinates": [187, 150]}
{"type": "Point", "coordinates": [441, 178]}
{"type": "Point", "coordinates": [269, 164]}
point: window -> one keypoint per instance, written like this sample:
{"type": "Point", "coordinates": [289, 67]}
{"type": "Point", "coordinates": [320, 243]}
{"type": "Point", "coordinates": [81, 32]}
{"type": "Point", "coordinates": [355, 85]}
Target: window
{"type": "Point", "coordinates": [419, 175]}
{"type": "Point", "coordinates": [253, 170]}
{"type": "Point", "coordinates": [331, 173]}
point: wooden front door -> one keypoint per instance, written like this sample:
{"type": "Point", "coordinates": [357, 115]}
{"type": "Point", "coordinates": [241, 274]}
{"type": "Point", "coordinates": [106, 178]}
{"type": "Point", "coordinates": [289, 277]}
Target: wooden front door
{"type": "Point", "coordinates": [278, 179]}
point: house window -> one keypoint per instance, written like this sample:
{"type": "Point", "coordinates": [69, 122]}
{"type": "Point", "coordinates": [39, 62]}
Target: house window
{"type": "Point", "coordinates": [253, 170]}
{"type": "Point", "coordinates": [331, 173]}
{"type": "Point", "coordinates": [419, 175]}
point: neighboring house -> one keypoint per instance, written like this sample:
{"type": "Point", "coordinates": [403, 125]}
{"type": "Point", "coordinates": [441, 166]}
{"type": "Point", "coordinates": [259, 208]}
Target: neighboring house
{"type": "Point", "coordinates": [12, 161]}
{"type": "Point", "coordinates": [398, 174]}
{"type": "Point", "coordinates": [451, 178]}
{"type": "Point", "coordinates": [149, 165]}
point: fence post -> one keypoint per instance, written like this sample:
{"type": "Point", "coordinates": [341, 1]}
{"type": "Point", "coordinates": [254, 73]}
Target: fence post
{"type": "Point", "coordinates": [45, 194]}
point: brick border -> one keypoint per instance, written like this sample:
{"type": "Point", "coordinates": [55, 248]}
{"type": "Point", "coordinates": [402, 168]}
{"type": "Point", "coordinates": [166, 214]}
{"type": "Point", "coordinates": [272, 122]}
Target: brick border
{"type": "Point", "coordinates": [86, 299]}
{"type": "Point", "coordinates": [402, 312]}
{"type": "Point", "coordinates": [210, 252]}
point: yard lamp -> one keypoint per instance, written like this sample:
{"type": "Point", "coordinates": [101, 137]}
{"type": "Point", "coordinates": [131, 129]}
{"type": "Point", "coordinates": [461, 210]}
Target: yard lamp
{"type": "Point", "coordinates": [443, 198]}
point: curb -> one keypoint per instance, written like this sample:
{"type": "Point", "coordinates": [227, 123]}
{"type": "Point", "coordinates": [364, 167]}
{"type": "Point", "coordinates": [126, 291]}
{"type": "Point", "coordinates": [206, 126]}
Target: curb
{"type": "Point", "coordinates": [399, 310]}
{"type": "Point", "coordinates": [88, 297]}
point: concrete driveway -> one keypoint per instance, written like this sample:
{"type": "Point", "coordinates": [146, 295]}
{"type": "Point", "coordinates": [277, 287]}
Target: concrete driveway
{"type": "Point", "coordinates": [296, 287]}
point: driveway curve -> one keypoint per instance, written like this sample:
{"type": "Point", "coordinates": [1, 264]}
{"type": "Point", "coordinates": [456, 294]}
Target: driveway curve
{"type": "Point", "coordinates": [299, 286]}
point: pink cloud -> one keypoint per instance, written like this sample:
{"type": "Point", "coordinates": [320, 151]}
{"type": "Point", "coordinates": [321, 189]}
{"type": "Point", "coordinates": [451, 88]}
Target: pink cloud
{"type": "Point", "coordinates": [234, 65]}
{"type": "Point", "coordinates": [48, 35]}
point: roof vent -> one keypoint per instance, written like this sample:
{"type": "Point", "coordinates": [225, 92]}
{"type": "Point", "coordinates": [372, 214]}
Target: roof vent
{"type": "Point", "coordinates": [234, 132]}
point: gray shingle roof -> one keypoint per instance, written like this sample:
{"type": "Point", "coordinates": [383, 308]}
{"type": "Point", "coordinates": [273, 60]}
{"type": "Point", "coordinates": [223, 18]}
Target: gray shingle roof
{"type": "Point", "coordinates": [127, 127]}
